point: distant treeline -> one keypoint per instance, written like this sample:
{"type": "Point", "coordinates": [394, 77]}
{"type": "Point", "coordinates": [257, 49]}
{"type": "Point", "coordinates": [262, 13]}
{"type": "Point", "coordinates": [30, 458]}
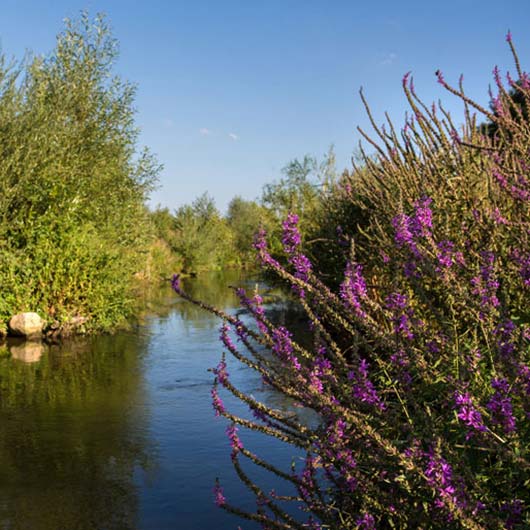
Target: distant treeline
{"type": "Point", "coordinates": [200, 238]}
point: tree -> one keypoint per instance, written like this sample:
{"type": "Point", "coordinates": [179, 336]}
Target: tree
{"type": "Point", "coordinates": [297, 192]}
{"type": "Point", "coordinates": [244, 219]}
{"type": "Point", "coordinates": [73, 220]}
{"type": "Point", "coordinates": [203, 240]}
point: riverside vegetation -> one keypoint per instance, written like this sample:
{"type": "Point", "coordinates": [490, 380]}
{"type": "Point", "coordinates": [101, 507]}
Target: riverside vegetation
{"type": "Point", "coordinates": [73, 223]}
{"type": "Point", "coordinates": [413, 271]}
{"type": "Point", "coordinates": [417, 299]}
{"type": "Point", "coordinates": [77, 241]}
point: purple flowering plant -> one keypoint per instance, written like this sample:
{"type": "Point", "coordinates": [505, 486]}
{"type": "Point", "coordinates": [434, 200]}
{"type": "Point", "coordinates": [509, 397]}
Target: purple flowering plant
{"type": "Point", "coordinates": [419, 363]}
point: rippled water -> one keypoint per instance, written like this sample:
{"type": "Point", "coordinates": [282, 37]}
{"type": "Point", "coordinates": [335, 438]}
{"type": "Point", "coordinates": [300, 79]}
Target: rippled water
{"type": "Point", "coordinates": [118, 432]}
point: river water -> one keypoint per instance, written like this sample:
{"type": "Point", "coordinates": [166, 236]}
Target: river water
{"type": "Point", "coordinates": [118, 432]}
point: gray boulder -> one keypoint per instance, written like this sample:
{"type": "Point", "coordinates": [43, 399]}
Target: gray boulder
{"type": "Point", "coordinates": [26, 325]}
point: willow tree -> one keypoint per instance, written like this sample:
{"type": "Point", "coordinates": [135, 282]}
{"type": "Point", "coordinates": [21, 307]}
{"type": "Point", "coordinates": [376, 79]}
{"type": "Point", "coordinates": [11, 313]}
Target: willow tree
{"type": "Point", "coordinates": [73, 223]}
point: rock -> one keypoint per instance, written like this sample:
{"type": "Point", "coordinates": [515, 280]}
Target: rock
{"type": "Point", "coordinates": [28, 352]}
{"type": "Point", "coordinates": [26, 325]}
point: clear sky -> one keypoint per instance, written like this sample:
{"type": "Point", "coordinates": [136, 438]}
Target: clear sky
{"type": "Point", "coordinates": [230, 90]}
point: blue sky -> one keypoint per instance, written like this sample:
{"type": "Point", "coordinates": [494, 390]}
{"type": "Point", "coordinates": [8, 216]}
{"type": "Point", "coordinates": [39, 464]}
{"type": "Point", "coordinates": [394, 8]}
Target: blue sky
{"type": "Point", "coordinates": [230, 90]}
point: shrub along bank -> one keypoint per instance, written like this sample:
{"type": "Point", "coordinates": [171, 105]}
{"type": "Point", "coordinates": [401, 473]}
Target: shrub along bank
{"type": "Point", "coordinates": [73, 223]}
{"type": "Point", "coordinates": [419, 369]}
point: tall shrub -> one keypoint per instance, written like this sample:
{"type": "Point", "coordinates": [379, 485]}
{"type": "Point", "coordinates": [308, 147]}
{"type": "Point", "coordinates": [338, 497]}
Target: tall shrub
{"type": "Point", "coordinates": [73, 224]}
{"type": "Point", "coordinates": [420, 365]}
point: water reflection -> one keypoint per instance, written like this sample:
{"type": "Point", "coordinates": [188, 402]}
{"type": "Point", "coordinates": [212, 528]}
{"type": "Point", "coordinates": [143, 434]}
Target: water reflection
{"type": "Point", "coordinates": [71, 435]}
{"type": "Point", "coordinates": [27, 351]}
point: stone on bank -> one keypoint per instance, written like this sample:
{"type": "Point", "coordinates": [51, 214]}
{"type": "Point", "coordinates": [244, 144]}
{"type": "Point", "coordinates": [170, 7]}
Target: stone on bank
{"type": "Point", "coordinates": [26, 325]}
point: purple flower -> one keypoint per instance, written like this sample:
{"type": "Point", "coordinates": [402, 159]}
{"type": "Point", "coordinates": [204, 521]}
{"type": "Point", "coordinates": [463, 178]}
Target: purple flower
{"type": "Point", "coordinates": [468, 413]}
{"type": "Point", "coordinates": [225, 338]}
{"type": "Point", "coordinates": [260, 240]}
{"type": "Point", "coordinates": [307, 477]}
{"type": "Point", "coordinates": [219, 497]}
{"type": "Point", "coordinates": [396, 301]}
{"type": "Point", "coordinates": [514, 509]}
{"type": "Point", "coordinates": [433, 346]}
{"type": "Point", "coordinates": [235, 442]}
{"type": "Point", "coordinates": [404, 236]}
{"type": "Point", "coordinates": [500, 178]}
{"type": "Point", "coordinates": [410, 269]}
{"type": "Point", "coordinates": [241, 331]}
{"type": "Point", "coordinates": [455, 136]}
{"type": "Point", "coordinates": [315, 383]}
{"type": "Point", "coordinates": [221, 373]}
{"type": "Point", "coordinates": [505, 339]}
{"type": "Point", "coordinates": [302, 266]}
{"type": "Point", "coordinates": [255, 306]}
{"type": "Point", "coordinates": [401, 362]}
{"type": "Point", "coordinates": [353, 288]}
{"type": "Point", "coordinates": [291, 238]}
{"type": "Point", "coordinates": [384, 257]}
{"type": "Point", "coordinates": [519, 193]}
{"type": "Point", "coordinates": [439, 475]}
{"type": "Point", "coordinates": [217, 402]}
{"type": "Point", "coordinates": [447, 256]}
{"type": "Point", "coordinates": [322, 365]}
{"type": "Point", "coordinates": [397, 304]}
{"type": "Point", "coordinates": [291, 241]}
{"type": "Point", "coordinates": [422, 221]}
{"type": "Point", "coordinates": [485, 284]}
{"type": "Point", "coordinates": [500, 405]}
{"type": "Point", "coordinates": [260, 244]}
{"type": "Point", "coordinates": [259, 312]}
{"type": "Point", "coordinates": [498, 218]}
{"type": "Point", "coordinates": [335, 432]}
{"type": "Point", "coordinates": [175, 283]}
{"type": "Point", "coordinates": [525, 81]}
{"type": "Point", "coordinates": [321, 370]}
{"type": "Point", "coordinates": [338, 459]}
{"type": "Point", "coordinates": [497, 76]}
{"type": "Point", "coordinates": [365, 522]}
{"type": "Point", "coordinates": [363, 389]}
{"type": "Point", "coordinates": [400, 359]}
{"type": "Point", "coordinates": [260, 415]}
{"type": "Point", "coordinates": [283, 346]}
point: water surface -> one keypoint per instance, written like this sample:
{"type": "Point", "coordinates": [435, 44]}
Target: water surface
{"type": "Point", "coordinates": [118, 432]}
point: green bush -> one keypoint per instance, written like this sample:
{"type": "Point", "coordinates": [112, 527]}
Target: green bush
{"type": "Point", "coordinates": [73, 225]}
{"type": "Point", "coordinates": [418, 371]}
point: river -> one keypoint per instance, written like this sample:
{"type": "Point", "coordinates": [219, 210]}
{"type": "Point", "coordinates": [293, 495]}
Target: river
{"type": "Point", "coordinates": [118, 432]}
